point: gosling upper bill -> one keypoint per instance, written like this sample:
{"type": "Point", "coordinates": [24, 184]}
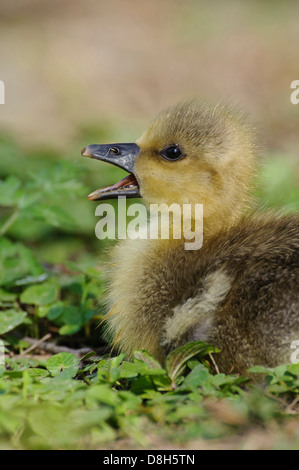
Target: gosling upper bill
{"type": "Point", "coordinates": [240, 290]}
{"type": "Point", "coordinates": [121, 155]}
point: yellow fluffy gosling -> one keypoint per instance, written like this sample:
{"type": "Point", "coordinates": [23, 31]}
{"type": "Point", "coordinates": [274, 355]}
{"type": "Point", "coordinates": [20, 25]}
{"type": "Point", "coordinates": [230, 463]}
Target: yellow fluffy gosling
{"type": "Point", "coordinates": [240, 290]}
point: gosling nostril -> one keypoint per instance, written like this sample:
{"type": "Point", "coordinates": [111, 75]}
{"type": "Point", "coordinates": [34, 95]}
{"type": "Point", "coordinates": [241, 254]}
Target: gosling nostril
{"type": "Point", "coordinates": [115, 150]}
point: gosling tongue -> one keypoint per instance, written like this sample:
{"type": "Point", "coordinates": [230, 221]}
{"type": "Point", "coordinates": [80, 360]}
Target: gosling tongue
{"type": "Point", "coordinates": [128, 187]}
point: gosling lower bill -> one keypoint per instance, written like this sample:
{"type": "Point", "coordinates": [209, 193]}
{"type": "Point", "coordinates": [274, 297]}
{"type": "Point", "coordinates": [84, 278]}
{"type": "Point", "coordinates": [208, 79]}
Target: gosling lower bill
{"type": "Point", "coordinates": [239, 291]}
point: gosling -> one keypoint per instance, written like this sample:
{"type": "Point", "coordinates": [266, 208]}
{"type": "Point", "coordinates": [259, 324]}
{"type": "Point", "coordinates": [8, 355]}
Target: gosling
{"type": "Point", "coordinates": [239, 291]}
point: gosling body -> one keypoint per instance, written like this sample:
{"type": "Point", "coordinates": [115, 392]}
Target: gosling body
{"type": "Point", "coordinates": [239, 291]}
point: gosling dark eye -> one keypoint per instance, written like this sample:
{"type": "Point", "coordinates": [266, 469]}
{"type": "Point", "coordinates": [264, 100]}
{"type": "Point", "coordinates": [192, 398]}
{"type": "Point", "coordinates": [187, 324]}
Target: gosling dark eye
{"type": "Point", "coordinates": [172, 152]}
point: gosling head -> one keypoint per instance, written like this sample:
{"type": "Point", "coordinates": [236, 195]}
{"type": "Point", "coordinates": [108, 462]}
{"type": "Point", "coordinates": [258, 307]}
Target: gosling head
{"type": "Point", "coordinates": [192, 153]}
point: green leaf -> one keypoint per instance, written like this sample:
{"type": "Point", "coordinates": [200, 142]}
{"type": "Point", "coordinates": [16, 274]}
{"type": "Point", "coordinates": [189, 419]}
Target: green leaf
{"type": "Point", "coordinates": [176, 360]}
{"type": "Point", "coordinates": [198, 377]}
{"type": "Point", "coordinates": [7, 248]}
{"type": "Point", "coordinates": [6, 296]}
{"type": "Point", "coordinates": [56, 426]}
{"type": "Point", "coordinates": [32, 280]}
{"type": "Point", "coordinates": [148, 359]}
{"type": "Point", "coordinates": [293, 369]}
{"type": "Point", "coordinates": [37, 372]}
{"type": "Point", "coordinates": [42, 294]}
{"type": "Point", "coordinates": [116, 361]}
{"type": "Point", "coordinates": [69, 329]}
{"type": "Point", "coordinates": [108, 370]}
{"type": "Point", "coordinates": [62, 361]}
{"type": "Point", "coordinates": [8, 191]}
{"type": "Point", "coordinates": [53, 215]}
{"type": "Point", "coordinates": [73, 319]}
{"type": "Point", "coordinates": [52, 312]}
{"type": "Point", "coordinates": [261, 370]}
{"type": "Point", "coordinates": [16, 262]}
{"type": "Point", "coordinates": [132, 369]}
{"type": "Point", "coordinates": [102, 393]}
{"type": "Point", "coordinates": [10, 319]}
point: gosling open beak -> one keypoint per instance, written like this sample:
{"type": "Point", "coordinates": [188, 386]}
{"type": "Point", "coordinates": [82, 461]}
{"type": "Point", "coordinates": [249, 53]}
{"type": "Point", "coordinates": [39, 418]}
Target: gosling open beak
{"type": "Point", "coordinates": [121, 155]}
